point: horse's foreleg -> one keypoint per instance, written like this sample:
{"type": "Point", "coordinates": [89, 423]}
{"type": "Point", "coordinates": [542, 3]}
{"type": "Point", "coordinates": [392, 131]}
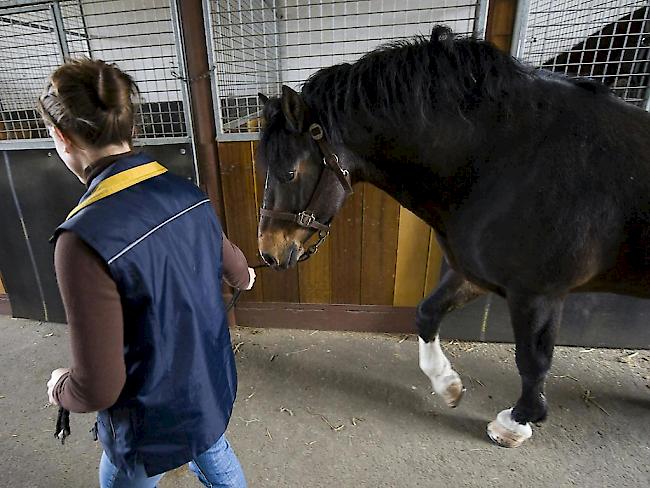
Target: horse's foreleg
{"type": "Point", "coordinates": [453, 292]}
{"type": "Point", "coordinates": [535, 320]}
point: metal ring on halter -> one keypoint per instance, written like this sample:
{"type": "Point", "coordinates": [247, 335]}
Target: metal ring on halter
{"type": "Point", "coordinates": [313, 249]}
{"type": "Point", "coordinates": [335, 157]}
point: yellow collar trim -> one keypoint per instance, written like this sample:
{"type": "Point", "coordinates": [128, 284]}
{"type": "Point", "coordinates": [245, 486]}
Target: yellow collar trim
{"type": "Point", "coordinates": [119, 182]}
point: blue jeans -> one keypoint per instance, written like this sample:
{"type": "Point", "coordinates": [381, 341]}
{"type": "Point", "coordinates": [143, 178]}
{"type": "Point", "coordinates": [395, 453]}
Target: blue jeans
{"type": "Point", "coordinates": [218, 467]}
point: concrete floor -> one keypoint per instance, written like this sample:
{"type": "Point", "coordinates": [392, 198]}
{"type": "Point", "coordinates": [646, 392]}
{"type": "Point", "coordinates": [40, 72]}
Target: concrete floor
{"type": "Point", "coordinates": [318, 409]}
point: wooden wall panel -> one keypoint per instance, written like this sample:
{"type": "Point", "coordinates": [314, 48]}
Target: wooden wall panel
{"type": "Point", "coordinates": [501, 18]}
{"type": "Point", "coordinates": [377, 254]}
{"type": "Point", "coordinates": [279, 286]}
{"type": "Point", "coordinates": [238, 186]}
{"type": "Point", "coordinates": [379, 247]}
{"type": "Point", "coordinates": [434, 260]}
{"type": "Point", "coordinates": [346, 253]}
{"type": "Point", "coordinates": [315, 276]}
{"type": "Point", "coordinates": [412, 254]}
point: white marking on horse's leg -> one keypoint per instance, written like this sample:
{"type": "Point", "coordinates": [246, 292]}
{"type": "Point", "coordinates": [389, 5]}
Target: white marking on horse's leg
{"type": "Point", "coordinates": [506, 432]}
{"type": "Point", "coordinates": [444, 380]}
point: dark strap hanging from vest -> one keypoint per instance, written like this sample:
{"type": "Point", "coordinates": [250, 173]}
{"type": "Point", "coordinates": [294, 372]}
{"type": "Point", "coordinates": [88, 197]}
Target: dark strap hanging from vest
{"type": "Point", "coordinates": [62, 425]}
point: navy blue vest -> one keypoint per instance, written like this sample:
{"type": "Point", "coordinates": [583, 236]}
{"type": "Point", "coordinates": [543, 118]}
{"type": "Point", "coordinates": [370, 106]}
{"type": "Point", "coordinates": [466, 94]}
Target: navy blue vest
{"type": "Point", "coordinates": [161, 241]}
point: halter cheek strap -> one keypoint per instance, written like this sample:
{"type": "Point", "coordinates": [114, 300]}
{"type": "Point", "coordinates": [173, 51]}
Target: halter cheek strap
{"type": "Point", "coordinates": [330, 158]}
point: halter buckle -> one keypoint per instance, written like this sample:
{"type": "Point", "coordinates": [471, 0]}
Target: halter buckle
{"type": "Point", "coordinates": [305, 219]}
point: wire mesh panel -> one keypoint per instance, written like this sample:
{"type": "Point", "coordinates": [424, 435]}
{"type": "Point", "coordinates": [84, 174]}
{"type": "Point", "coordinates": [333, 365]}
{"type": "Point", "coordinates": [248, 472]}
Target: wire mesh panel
{"type": "Point", "coordinates": [247, 56]}
{"type": "Point", "coordinates": [137, 35]}
{"type": "Point", "coordinates": [258, 45]}
{"type": "Point", "coordinates": [29, 51]}
{"type": "Point", "coordinates": [605, 40]}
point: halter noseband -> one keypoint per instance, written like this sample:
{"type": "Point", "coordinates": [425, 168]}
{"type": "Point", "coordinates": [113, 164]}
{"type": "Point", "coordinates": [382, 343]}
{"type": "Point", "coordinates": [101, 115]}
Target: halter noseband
{"type": "Point", "coordinates": [306, 218]}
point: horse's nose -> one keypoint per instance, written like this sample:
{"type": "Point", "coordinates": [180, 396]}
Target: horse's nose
{"type": "Point", "coordinates": [268, 259]}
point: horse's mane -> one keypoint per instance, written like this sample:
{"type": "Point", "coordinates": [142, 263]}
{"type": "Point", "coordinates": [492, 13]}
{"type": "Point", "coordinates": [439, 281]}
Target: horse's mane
{"type": "Point", "coordinates": [420, 80]}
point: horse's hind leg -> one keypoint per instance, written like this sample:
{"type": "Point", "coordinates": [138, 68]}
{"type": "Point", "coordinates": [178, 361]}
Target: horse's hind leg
{"type": "Point", "coordinates": [535, 320]}
{"type": "Point", "coordinates": [453, 292]}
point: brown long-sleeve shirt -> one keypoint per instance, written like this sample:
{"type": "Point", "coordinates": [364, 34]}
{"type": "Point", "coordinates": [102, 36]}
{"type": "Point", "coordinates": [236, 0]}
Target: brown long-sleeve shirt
{"type": "Point", "coordinates": [94, 311]}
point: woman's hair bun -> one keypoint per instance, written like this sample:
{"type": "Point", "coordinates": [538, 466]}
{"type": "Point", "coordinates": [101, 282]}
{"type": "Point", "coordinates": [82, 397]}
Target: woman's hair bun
{"type": "Point", "coordinates": [90, 100]}
{"type": "Point", "coordinates": [113, 89]}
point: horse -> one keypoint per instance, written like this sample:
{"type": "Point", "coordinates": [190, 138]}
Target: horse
{"type": "Point", "coordinates": [537, 185]}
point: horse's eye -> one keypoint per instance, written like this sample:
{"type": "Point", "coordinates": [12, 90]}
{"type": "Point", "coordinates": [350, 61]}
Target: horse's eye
{"type": "Point", "coordinates": [286, 177]}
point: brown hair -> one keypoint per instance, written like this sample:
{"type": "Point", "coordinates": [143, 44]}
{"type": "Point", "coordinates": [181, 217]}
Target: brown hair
{"type": "Point", "coordinates": [91, 102]}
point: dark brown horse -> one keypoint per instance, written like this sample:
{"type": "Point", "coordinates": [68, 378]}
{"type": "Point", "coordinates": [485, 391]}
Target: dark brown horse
{"type": "Point", "coordinates": [536, 185]}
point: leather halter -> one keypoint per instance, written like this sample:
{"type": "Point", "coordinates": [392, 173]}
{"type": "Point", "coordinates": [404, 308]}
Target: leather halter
{"type": "Point", "coordinates": [306, 218]}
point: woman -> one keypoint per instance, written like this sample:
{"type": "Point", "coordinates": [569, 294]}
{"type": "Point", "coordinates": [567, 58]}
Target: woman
{"type": "Point", "coordinates": [139, 264]}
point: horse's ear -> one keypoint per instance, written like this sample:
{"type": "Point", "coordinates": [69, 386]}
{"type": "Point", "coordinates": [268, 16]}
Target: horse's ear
{"type": "Point", "coordinates": [263, 98]}
{"type": "Point", "coordinates": [293, 108]}
{"type": "Point", "coordinates": [441, 34]}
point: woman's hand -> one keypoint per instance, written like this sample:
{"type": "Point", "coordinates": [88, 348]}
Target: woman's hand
{"type": "Point", "coordinates": [54, 379]}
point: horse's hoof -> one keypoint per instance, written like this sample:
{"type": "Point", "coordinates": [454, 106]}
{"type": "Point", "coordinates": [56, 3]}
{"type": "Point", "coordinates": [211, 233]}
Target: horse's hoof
{"type": "Point", "coordinates": [505, 432]}
{"type": "Point", "coordinates": [450, 388]}
{"type": "Point", "coordinates": [453, 394]}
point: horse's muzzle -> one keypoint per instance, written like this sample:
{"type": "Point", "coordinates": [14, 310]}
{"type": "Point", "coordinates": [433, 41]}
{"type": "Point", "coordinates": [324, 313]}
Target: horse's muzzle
{"type": "Point", "coordinates": [279, 251]}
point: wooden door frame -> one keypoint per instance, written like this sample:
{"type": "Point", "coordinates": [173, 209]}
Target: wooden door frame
{"type": "Point", "coordinates": [198, 72]}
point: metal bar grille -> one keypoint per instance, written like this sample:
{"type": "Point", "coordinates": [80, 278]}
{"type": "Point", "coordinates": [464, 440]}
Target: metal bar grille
{"type": "Point", "coordinates": [29, 51]}
{"type": "Point", "coordinates": [608, 40]}
{"type": "Point", "coordinates": [259, 45]}
{"type": "Point", "coordinates": [138, 35]}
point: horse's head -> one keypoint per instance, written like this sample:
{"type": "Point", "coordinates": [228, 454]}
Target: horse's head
{"type": "Point", "coordinates": [306, 184]}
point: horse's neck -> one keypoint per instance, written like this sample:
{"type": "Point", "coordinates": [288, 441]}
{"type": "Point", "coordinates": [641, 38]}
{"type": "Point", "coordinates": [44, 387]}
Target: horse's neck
{"type": "Point", "coordinates": [414, 171]}
{"type": "Point", "coordinates": [430, 167]}
{"type": "Point", "coordinates": [415, 186]}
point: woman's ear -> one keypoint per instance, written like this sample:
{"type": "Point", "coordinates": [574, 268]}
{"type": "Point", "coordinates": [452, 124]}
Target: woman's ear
{"type": "Point", "coordinates": [60, 137]}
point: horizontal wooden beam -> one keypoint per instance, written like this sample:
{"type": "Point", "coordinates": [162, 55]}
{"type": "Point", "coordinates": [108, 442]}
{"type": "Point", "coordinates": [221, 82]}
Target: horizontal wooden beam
{"type": "Point", "coordinates": [359, 318]}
